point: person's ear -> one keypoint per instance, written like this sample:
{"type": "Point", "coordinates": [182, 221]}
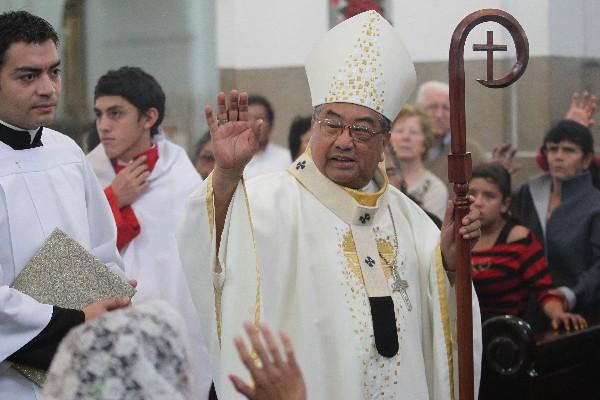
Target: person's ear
{"type": "Point", "coordinates": [386, 142]}
{"type": "Point", "coordinates": [587, 161]}
{"type": "Point", "coordinates": [150, 117]}
{"type": "Point", "coordinates": [505, 205]}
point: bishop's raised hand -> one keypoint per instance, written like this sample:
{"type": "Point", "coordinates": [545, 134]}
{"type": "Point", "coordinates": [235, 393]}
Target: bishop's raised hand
{"type": "Point", "coordinates": [234, 137]}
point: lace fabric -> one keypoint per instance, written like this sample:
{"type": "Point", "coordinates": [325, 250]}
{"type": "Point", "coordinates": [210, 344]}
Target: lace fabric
{"type": "Point", "coordinates": [136, 353]}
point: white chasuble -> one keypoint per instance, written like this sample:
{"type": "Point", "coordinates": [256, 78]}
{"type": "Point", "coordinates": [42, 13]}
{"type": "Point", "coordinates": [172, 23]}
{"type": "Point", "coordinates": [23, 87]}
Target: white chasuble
{"type": "Point", "coordinates": [41, 189]}
{"type": "Point", "coordinates": [152, 257]}
{"type": "Point", "coordinates": [288, 256]}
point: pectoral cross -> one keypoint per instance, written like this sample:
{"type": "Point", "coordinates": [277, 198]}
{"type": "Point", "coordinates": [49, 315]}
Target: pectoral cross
{"type": "Point", "coordinates": [400, 285]}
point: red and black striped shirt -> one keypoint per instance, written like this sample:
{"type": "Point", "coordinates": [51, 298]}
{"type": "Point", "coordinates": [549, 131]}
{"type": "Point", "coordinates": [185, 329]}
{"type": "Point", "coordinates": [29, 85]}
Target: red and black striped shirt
{"type": "Point", "coordinates": [507, 274]}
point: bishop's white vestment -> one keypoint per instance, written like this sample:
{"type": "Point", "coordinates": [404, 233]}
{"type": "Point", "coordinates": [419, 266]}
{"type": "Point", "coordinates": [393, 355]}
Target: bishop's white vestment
{"type": "Point", "coordinates": [151, 257]}
{"type": "Point", "coordinates": [43, 188]}
{"type": "Point", "coordinates": [288, 257]}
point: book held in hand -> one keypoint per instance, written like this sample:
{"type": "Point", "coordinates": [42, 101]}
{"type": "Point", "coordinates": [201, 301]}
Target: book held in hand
{"type": "Point", "coordinates": [64, 274]}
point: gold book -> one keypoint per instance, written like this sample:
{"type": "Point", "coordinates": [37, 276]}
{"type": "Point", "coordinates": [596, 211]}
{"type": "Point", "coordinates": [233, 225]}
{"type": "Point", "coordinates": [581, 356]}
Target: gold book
{"type": "Point", "coordinates": [63, 273]}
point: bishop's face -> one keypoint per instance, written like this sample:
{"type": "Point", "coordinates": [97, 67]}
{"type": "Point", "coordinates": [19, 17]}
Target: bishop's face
{"type": "Point", "coordinates": [123, 130]}
{"type": "Point", "coordinates": [29, 84]}
{"type": "Point", "coordinates": [342, 159]}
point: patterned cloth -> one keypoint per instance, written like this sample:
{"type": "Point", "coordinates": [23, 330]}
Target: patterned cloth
{"type": "Point", "coordinates": [136, 353]}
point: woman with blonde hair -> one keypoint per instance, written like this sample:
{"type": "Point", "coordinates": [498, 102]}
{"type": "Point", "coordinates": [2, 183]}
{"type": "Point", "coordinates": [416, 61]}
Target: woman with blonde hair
{"type": "Point", "coordinates": [410, 140]}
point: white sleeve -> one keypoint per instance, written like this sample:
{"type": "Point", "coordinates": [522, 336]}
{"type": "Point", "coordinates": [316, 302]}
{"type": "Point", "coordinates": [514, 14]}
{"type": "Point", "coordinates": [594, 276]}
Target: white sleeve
{"type": "Point", "coordinates": [103, 230]}
{"type": "Point", "coordinates": [21, 319]}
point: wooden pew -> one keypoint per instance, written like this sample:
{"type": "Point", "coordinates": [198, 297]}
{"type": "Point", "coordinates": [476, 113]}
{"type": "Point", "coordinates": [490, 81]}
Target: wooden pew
{"type": "Point", "coordinates": [555, 365]}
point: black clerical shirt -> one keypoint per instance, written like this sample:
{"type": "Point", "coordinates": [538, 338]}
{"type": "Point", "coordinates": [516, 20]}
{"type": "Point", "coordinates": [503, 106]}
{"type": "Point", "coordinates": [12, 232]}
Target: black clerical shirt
{"type": "Point", "coordinates": [20, 140]}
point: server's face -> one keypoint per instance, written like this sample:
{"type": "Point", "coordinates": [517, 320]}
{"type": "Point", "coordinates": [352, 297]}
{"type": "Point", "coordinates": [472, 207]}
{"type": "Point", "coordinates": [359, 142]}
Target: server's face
{"type": "Point", "coordinates": [29, 84]}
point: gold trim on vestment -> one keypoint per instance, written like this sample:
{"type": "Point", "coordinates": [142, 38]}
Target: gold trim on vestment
{"type": "Point", "coordinates": [257, 267]}
{"type": "Point", "coordinates": [368, 199]}
{"type": "Point", "coordinates": [218, 292]}
{"type": "Point", "coordinates": [210, 209]}
{"type": "Point", "coordinates": [441, 285]}
{"type": "Point", "coordinates": [387, 255]}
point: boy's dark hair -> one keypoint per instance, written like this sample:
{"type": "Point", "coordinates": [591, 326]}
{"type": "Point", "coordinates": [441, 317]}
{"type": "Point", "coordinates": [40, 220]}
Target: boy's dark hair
{"type": "Point", "coordinates": [494, 173]}
{"type": "Point", "coordinates": [137, 87]}
{"type": "Point", "coordinates": [262, 101]}
{"type": "Point", "coordinates": [300, 125]}
{"type": "Point", "coordinates": [21, 26]}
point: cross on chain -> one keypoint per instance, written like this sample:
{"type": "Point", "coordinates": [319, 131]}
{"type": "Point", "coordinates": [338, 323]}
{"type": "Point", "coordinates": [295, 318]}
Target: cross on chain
{"type": "Point", "coordinates": [490, 48]}
{"type": "Point", "coordinates": [400, 285]}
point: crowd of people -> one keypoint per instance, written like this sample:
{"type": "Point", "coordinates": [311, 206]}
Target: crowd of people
{"type": "Point", "coordinates": [344, 242]}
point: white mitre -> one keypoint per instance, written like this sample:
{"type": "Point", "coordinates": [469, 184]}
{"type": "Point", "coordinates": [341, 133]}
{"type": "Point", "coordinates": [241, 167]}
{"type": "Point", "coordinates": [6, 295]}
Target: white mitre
{"type": "Point", "coordinates": [362, 61]}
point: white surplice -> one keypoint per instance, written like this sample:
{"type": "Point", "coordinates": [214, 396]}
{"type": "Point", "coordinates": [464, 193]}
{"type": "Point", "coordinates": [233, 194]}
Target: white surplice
{"type": "Point", "coordinates": [287, 257]}
{"type": "Point", "coordinates": [43, 188]}
{"type": "Point", "coordinates": [273, 158]}
{"type": "Point", "coordinates": [152, 257]}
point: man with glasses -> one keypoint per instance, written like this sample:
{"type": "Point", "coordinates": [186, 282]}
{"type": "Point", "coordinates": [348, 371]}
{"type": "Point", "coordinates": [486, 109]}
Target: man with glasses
{"type": "Point", "coordinates": [327, 250]}
{"type": "Point", "coordinates": [434, 97]}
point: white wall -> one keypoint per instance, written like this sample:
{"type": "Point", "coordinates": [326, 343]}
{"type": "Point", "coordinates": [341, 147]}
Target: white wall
{"type": "Point", "coordinates": [50, 10]}
{"type": "Point", "coordinates": [268, 33]}
{"type": "Point", "coordinates": [172, 40]}
{"type": "Point", "coordinates": [279, 33]}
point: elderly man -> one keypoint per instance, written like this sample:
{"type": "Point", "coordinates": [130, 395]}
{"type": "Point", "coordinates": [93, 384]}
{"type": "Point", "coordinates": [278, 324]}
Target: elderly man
{"type": "Point", "coordinates": [327, 250]}
{"type": "Point", "coordinates": [433, 96]}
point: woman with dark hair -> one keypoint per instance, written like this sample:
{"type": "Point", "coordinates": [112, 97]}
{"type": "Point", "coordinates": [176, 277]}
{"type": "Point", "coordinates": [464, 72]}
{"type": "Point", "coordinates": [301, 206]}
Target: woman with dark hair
{"type": "Point", "coordinates": [562, 208]}
{"type": "Point", "coordinates": [508, 263]}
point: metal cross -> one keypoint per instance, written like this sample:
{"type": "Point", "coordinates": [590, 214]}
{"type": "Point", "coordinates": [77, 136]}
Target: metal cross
{"type": "Point", "coordinates": [490, 48]}
{"type": "Point", "coordinates": [400, 285]}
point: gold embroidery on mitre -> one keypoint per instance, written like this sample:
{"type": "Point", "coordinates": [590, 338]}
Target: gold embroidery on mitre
{"type": "Point", "coordinates": [360, 80]}
{"type": "Point", "coordinates": [387, 255]}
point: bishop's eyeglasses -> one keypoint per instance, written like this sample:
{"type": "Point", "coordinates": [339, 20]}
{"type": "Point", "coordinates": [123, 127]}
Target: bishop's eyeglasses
{"type": "Point", "coordinates": [360, 133]}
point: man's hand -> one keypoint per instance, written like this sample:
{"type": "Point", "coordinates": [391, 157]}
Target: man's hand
{"type": "Point", "coordinates": [234, 138]}
{"type": "Point", "coordinates": [130, 182]}
{"type": "Point", "coordinates": [582, 109]}
{"type": "Point", "coordinates": [276, 378]}
{"type": "Point", "coordinates": [100, 307]}
{"type": "Point", "coordinates": [504, 154]}
{"type": "Point", "coordinates": [235, 141]}
{"type": "Point", "coordinates": [470, 230]}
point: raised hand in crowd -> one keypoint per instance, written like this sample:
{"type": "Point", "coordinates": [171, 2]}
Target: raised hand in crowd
{"type": "Point", "coordinates": [504, 154]}
{"type": "Point", "coordinates": [275, 378]}
{"type": "Point", "coordinates": [582, 109]}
